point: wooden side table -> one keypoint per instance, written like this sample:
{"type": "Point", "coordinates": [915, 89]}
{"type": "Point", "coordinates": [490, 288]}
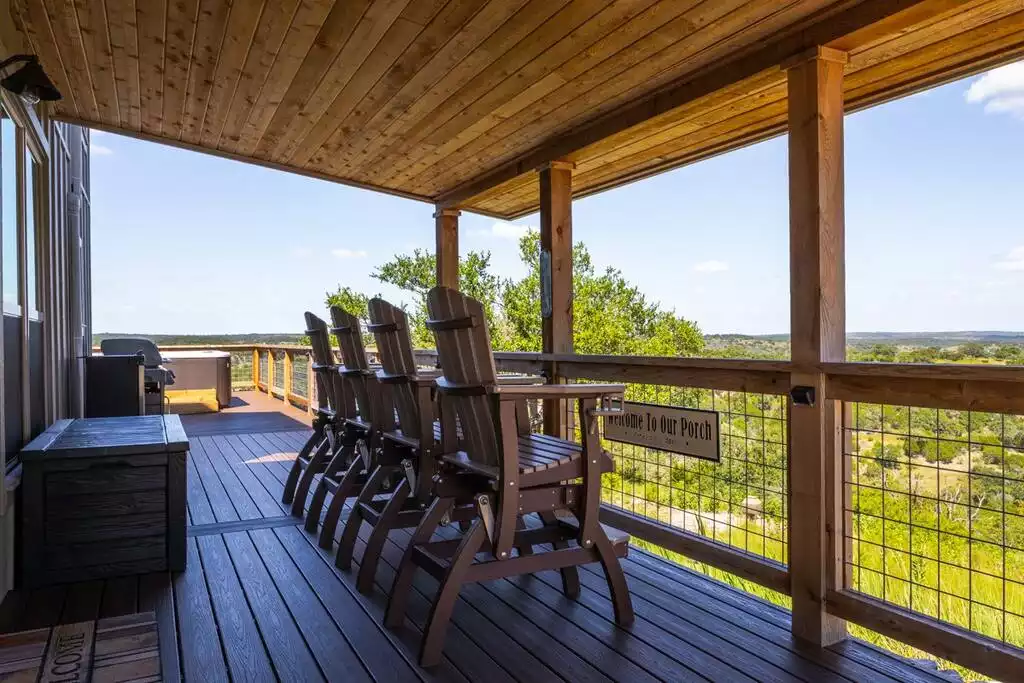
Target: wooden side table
{"type": "Point", "coordinates": [103, 497]}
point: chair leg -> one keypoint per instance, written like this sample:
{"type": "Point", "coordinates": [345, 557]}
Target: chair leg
{"type": "Point", "coordinates": [525, 549]}
{"type": "Point", "coordinates": [337, 464]}
{"type": "Point", "coordinates": [622, 601]}
{"type": "Point", "coordinates": [444, 603]}
{"type": "Point", "coordinates": [346, 487]}
{"type": "Point", "coordinates": [315, 465]}
{"type": "Point", "coordinates": [297, 467]}
{"type": "Point", "coordinates": [379, 536]}
{"type": "Point", "coordinates": [570, 575]}
{"type": "Point", "coordinates": [347, 544]}
{"type": "Point", "coordinates": [394, 615]}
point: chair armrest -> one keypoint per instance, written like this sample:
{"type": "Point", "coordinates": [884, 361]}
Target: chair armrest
{"type": "Point", "coordinates": [512, 380]}
{"type": "Point", "coordinates": [560, 390]}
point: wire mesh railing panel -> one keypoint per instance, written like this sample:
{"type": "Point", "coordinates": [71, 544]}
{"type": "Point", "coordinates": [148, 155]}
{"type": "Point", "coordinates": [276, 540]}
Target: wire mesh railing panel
{"type": "Point", "coordinates": [934, 503]}
{"type": "Point", "coordinates": [300, 374]}
{"type": "Point", "coordinates": [264, 366]}
{"type": "Point", "coordinates": [278, 359]}
{"type": "Point", "coordinates": [241, 370]}
{"type": "Point", "coordinates": [740, 501]}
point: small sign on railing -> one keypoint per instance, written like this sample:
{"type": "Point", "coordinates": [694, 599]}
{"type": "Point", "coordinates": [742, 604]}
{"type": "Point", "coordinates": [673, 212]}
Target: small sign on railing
{"type": "Point", "coordinates": [666, 428]}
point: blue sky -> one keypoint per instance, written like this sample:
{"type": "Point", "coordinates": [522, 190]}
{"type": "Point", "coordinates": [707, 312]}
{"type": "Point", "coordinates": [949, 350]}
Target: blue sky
{"type": "Point", "coordinates": [188, 243]}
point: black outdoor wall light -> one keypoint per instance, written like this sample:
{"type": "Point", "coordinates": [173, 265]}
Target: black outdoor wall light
{"type": "Point", "coordinates": [28, 81]}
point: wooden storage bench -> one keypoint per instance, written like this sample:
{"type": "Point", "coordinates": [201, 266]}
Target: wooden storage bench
{"type": "Point", "coordinates": [103, 497]}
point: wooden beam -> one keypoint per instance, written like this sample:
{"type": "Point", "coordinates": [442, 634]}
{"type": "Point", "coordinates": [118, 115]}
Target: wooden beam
{"type": "Point", "coordinates": [446, 236]}
{"type": "Point", "coordinates": [555, 276]}
{"type": "Point", "coordinates": [823, 28]}
{"type": "Point", "coordinates": [985, 655]}
{"type": "Point", "coordinates": [818, 334]}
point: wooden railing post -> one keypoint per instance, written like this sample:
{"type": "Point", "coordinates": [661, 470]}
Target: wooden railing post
{"type": "Point", "coordinates": [446, 227]}
{"type": "Point", "coordinates": [556, 276]}
{"type": "Point", "coordinates": [818, 335]}
{"type": "Point", "coordinates": [255, 368]}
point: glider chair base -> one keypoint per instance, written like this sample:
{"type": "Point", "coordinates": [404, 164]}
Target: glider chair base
{"type": "Point", "coordinates": [312, 459]}
{"type": "Point", "coordinates": [453, 562]}
{"type": "Point", "coordinates": [345, 472]}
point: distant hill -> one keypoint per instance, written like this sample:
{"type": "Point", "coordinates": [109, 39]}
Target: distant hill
{"type": "Point", "coordinates": [951, 338]}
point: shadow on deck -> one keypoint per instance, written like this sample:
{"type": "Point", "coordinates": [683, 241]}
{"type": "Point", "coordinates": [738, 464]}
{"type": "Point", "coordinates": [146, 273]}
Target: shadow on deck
{"type": "Point", "coordinates": [260, 600]}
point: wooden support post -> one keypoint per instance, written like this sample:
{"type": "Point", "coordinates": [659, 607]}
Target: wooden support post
{"type": "Point", "coordinates": [818, 334]}
{"type": "Point", "coordinates": [446, 222]}
{"type": "Point", "coordinates": [556, 276]}
{"type": "Point", "coordinates": [270, 373]}
{"type": "Point", "coordinates": [256, 369]}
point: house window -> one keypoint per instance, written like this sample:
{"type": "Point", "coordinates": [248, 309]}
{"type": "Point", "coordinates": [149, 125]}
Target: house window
{"type": "Point", "coordinates": [9, 210]}
{"type": "Point", "coordinates": [32, 296]}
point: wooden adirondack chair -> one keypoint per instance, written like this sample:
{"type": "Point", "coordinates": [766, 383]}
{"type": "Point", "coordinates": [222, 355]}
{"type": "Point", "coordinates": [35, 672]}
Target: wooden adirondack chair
{"type": "Point", "coordinates": [406, 446]}
{"type": "Point", "coordinates": [509, 474]}
{"type": "Point", "coordinates": [321, 446]}
{"type": "Point", "coordinates": [347, 473]}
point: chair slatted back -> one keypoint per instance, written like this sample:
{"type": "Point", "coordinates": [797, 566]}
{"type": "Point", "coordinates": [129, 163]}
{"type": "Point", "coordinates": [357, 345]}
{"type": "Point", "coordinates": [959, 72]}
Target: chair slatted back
{"type": "Point", "coordinates": [353, 357]}
{"type": "Point", "coordinates": [464, 351]}
{"type": "Point", "coordinates": [324, 368]}
{"type": "Point", "coordinates": [390, 328]}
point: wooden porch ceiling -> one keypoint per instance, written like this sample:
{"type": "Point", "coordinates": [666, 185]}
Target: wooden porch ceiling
{"type": "Point", "coordinates": [459, 101]}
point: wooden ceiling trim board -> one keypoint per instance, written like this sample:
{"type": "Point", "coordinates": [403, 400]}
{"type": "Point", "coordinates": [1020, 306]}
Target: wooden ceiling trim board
{"type": "Point", "coordinates": [406, 149]}
{"type": "Point", "coordinates": [370, 30]}
{"type": "Point", "coordinates": [403, 36]}
{"type": "Point", "coordinates": [32, 18]}
{"type": "Point", "coordinates": [211, 25]}
{"type": "Point", "coordinates": [332, 37]}
{"type": "Point", "coordinates": [947, 60]}
{"type": "Point", "coordinates": [772, 122]}
{"type": "Point", "coordinates": [297, 43]}
{"type": "Point", "coordinates": [491, 103]}
{"type": "Point", "coordinates": [92, 21]}
{"type": "Point", "coordinates": [267, 41]}
{"type": "Point", "coordinates": [124, 49]}
{"type": "Point", "coordinates": [820, 29]}
{"type": "Point", "coordinates": [63, 21]}
{"type": "Point", "coordinates": [947, 25]}
{"type": "Point", "coordinates": [181, 32]}
{"type": "Point", "coordinates": [453, 20]}
{"type": "Point", "coordinates": [606, 83]}
{"type": "Point", "coordinates": [150, 21]}
{"type": "Point", "coordinates": [223, 154]}
{"type": "Point", "coordinates": [589, 42]}
{"type": "Point", "coordinates": [239, 36]}
{"type": "Point", "coordinates": [482, 27]}
{"type": "Point", "coordinates": [534, 14]}
{"type": "Point", "coordinates": [42, 36]}
{"type": "Point", "coordinates": [914, 18]}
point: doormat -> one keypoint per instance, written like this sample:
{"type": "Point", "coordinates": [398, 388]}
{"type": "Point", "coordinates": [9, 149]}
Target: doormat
{"type": "Point", "coordinates": [114, 649]}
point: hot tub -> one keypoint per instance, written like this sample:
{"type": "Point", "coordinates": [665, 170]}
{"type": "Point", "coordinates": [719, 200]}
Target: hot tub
{"type": "Point", "coordinates": [200, 373]}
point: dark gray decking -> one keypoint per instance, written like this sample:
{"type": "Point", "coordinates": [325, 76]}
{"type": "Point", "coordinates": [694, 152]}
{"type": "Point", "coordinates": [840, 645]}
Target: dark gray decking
{"type": "Point", "coordinates": [260, 600]}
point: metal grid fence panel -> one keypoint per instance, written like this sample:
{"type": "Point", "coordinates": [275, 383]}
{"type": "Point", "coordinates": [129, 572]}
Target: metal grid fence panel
{"type": "Point", "coordinates": [241, 370]}
{"type": "Point", "coordinates": [934, 503]}
{"type": "Point", "coordinates": [264, 365]}
{"type": "Point", "coordinates": [300, 374]}
{"type": "Point", "coordinates": [740, 502]}
{"type": "Point", "coordinates": [278, 370]}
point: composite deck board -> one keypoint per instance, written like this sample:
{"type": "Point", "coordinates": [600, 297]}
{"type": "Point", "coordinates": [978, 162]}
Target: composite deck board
{"type": "Point", "coordinates": [261, 601]}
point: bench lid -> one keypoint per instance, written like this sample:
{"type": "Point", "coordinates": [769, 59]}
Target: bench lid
{"type": "Point", "coordinates": [100, 436]}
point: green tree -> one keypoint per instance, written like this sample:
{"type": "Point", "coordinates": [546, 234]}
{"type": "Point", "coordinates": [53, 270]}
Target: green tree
{"type": "Point", "coordinates": [610, 315]}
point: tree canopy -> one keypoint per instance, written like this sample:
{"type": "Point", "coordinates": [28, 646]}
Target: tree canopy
{"type": "Point", "coordinates": [610, 315]}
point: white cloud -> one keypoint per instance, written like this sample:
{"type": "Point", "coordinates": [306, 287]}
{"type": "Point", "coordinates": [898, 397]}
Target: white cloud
{"type": "Point", "coordinates": [711, 267]}
{"type": "Point", "coordinates": [505, 230]}
{"type": "Point", "coordinates": [1012, 261]}
{"type": "Point", "coordinates": [348, 253]}
{"type": "Point", "coordinates": [1001, 90]}
{"type": "Point", "coordinates": [100, 150]}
